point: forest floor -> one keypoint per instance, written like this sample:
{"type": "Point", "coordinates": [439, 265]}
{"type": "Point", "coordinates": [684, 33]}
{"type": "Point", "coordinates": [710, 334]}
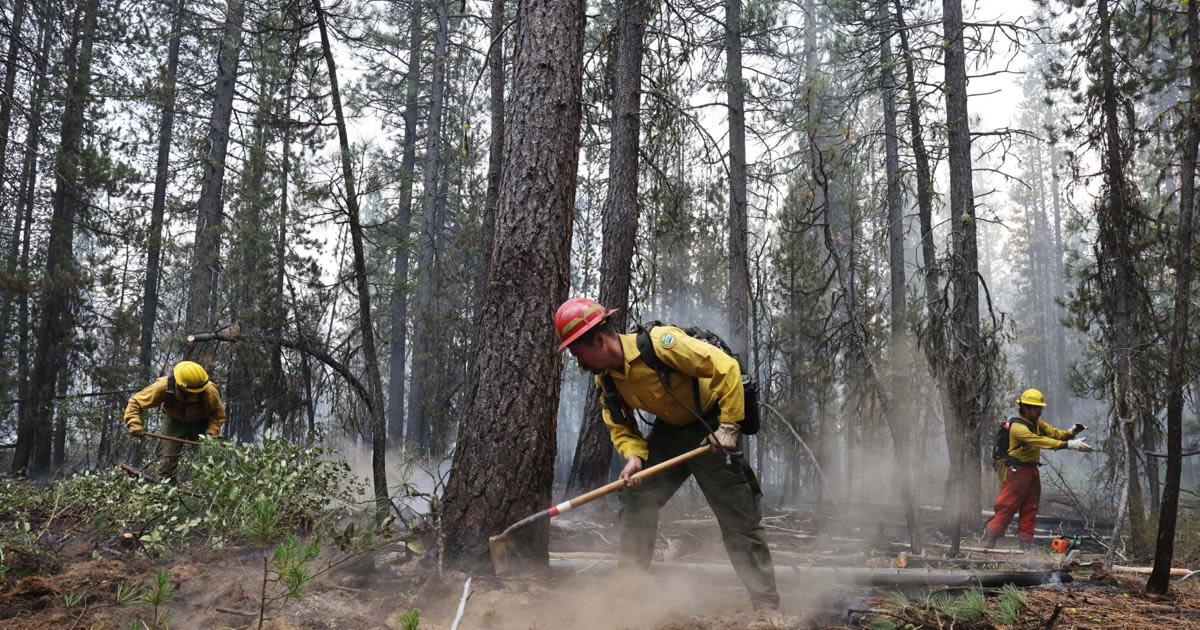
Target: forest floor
{"type": "Point", "coordinates": [691, 587]}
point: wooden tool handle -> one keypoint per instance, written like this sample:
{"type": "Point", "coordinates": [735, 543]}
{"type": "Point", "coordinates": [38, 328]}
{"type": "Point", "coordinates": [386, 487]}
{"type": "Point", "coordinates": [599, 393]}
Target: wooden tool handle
{"type": "Point", "coordinates": [170, 438]}
{"type": "Point", "coordinates": [619, 484]}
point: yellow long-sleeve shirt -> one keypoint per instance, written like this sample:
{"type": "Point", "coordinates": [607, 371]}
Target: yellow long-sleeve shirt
{"type": "Point", "coordinates": [1026, 445]}
{"type": "Point", "coordinates": [718, 373]}
{"type": "Point", "coordinates": [204, 406]}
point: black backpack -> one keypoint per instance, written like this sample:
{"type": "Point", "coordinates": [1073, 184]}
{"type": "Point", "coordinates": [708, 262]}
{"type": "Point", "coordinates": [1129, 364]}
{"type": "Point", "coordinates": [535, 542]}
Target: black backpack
{"type": "Point", "coordinates": [620, 412]}
{"type": "Point", "coordinates": [1000, 442]}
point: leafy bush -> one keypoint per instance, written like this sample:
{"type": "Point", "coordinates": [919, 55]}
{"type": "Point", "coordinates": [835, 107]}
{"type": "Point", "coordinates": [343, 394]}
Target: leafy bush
{"type": "Point", "coordinates": [227, 493]}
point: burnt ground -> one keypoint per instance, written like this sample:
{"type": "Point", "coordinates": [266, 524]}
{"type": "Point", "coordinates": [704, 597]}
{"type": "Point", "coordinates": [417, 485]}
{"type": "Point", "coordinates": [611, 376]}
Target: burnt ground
{"type": "Point", "coordinates": [824, 564]}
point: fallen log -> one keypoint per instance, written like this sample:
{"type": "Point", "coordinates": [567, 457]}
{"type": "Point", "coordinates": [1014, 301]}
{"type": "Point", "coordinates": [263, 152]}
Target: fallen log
{"type": "Point", "coordinates": [865, 577]}
{"type": "Point", "coordinates": [1175, 572]}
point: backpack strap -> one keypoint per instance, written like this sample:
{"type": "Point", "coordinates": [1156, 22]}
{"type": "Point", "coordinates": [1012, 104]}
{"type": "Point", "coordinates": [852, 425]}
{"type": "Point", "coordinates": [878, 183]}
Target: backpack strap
{"type": "Point", "coordinates": [611, 398]}
{"type": "Point", "coordinates": [170, 402]}
{"type": "Point", "coordinates": [1036, 429]}
{"type": "Point", "coordinates": [645, 346]}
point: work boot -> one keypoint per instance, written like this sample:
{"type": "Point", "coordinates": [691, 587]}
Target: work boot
{"type": "Point", "coordinates": [989, 541]}
{"type": "Point", "coordinates": [1026, 546]}
{"type": "Point", "coordinates": [770, 619]}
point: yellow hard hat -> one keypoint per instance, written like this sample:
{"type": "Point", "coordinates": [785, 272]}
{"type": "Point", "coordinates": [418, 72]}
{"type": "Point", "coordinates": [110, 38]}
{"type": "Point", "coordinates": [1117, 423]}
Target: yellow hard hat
{"type": "Point", "coordinates": [190, 376]}
{"type": "Point", "coordinates": [1032, 397]}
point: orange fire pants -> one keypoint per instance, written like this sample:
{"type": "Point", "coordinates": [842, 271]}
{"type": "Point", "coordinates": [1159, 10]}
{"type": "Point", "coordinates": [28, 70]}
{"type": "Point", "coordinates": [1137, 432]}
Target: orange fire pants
{"type": "Point", "coordinates": [1020, 493]}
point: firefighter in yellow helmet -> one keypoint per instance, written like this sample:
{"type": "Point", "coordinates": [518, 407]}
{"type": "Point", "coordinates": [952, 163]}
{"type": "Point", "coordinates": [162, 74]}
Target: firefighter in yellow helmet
{"type": "Point", "coordinates": [1021, 485]}
{"type": "Point", "coordinates": [191, 406]}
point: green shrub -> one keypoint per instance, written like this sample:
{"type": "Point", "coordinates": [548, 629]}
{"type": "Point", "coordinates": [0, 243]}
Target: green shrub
{"type": "Point", "coordinates": [227, 493]}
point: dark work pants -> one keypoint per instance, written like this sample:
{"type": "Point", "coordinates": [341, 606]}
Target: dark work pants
{"type": "Point", "coordinates": [169, 451]}
{"type": "Point", "coordinates": [726, 487]}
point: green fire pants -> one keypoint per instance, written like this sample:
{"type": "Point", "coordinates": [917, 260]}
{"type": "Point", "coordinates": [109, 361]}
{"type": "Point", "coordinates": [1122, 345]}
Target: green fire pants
{"type": "Point", "coordinates": [168, 451]}
{"type": "Point", "coordinates": [728, 490]}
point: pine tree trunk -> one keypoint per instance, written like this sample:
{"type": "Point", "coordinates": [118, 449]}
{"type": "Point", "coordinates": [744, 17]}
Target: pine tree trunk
{"type": "Point", "coordinates": [6, 100]}
{"type": "Point", "coordinates": [166, 127]}
{"type": "Point", "coordinates": [370, 357]}
{"type": "Point", "coordinates": [424, 366]}
{"type": "Point", "coordinates": [53, 338]}
{"type": "Point", "coordinates": [11, 63]}
{"type": "Point", "coordinates": [279, 309]}
{"type": "Point", "coordinates": [966, 399]}
{"type": "Point", "coordinates": [593, 451]}
{"type": "Point", "coordinates": [25, 199]}
{"type": "Point", "coordinates": [1160, 579]}
{"type": "Point", "coordinates": [206, 264]}
{"type": "Point", "coordinates": [739, 272]}
{"type": "Point", "coordinates": [900, 347]}
{"type": "Point", "coordinates": [402, 233]}
{"type": "Point", "coordinates": [1115, 227]}
{"type": "Point", "coordinates": [495, 142]}
{"type": "Point", "coordinates": [503, 465]}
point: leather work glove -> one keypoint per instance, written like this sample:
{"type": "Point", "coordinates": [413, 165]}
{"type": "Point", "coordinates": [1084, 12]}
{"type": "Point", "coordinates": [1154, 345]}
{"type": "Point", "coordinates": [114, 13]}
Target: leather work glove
{"type": "Point", "coordinates": [1077, 429]}
{"type": "Point", "coordinates": [1080, 445]}
{"type": "Point", "coordinates": [213, 432]}
{"type": "Point", "coordinates": [136, 429]}
{"type": "Point", "coordinates": [724, 438]}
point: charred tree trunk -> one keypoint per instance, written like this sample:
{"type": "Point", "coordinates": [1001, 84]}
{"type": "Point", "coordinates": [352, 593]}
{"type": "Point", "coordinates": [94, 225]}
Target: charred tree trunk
{"type": "Point", "coordinates": [53, 339]}
{"type": "Point", "coordinates": [900, 412]}
{"type": "Point", "coordinates": [967, 402]}
{"type": "Point", "coordinates": [370, 357]}
{"type": "Point", "coordinates": [423, 388]}
{"type": "Point", "coordinates": [402, 232]}
{"type": "Point", "coordinates": [739, 271]}
{"type": "Point", "coordinates": [206, 265]}
{"type": "Point", "coordinates": [1160, 578]}
{"type": "Point", "coordinates": [166, 126]}
{"type": "Point", "coordinates": [502, 471]}
{"type": "Point", "coordinates": [593, 451]}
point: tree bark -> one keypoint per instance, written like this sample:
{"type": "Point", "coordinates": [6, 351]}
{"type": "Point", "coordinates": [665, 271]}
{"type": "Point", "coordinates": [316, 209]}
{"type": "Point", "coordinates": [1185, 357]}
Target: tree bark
{"type": "Point", "coordinates": [967, 401]}
{"type": "Point", "coordinates": [495, 142]}
{"type": "Point", "coordinates": [593, 451]}
{"type": "Point", "coordinates": [25, 199]}
{"type": "Point", "coordinates": [422, 382]}
{"type": "Point", "coordinates": [166, 127]}
{"type": "Point", "coordinates": [370, 357]}
{"type": "Point", "coordinates": [739, 271]}
{"type": "Point", "coordinates": [19, 216]}
{"type": "Point", "coordinates": [53, 338]}
{"type": "Point", "coordinates": [1115, 231]}
{"type": "Point", "coordinates": [402, 232]}
{"type": "Point", "coordinates": [503, 465]}
{"type": "Point", "coordinates": [900, 411]}
{"type": "Point", "coordinates": [11, 63]}
{"type": "Point", "coordinates": [1160, 578]}
{"type": "Point", "coordinates": [206, 264]}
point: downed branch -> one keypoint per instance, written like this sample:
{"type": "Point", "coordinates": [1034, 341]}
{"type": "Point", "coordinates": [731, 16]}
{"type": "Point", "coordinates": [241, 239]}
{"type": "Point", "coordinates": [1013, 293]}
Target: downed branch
{"type": "Point", "coordinates": [302, 344]}
{"type": "Point", "coordinates": [1184, 454]}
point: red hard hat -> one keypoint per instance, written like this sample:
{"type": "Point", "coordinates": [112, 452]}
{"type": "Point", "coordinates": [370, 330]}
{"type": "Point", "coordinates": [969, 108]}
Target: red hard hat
{"type": "Point", "coordinates": [577, 316]}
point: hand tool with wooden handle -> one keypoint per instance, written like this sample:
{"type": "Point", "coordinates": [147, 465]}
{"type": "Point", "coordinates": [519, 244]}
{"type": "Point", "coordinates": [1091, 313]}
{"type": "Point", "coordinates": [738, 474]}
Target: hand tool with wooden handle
{"type": "Point", "coordinates": [170, 438]}
{"type": "Point", "coordinates": [499, 544]}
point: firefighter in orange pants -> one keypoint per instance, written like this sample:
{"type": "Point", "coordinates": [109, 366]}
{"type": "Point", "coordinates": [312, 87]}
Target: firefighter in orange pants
{"type": "Point", "coordinates": [1021, 485]}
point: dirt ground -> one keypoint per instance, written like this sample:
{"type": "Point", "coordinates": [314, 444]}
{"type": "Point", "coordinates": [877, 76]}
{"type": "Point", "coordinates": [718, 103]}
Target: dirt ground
{"type": "Point", "coordinates": [221, 589]}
